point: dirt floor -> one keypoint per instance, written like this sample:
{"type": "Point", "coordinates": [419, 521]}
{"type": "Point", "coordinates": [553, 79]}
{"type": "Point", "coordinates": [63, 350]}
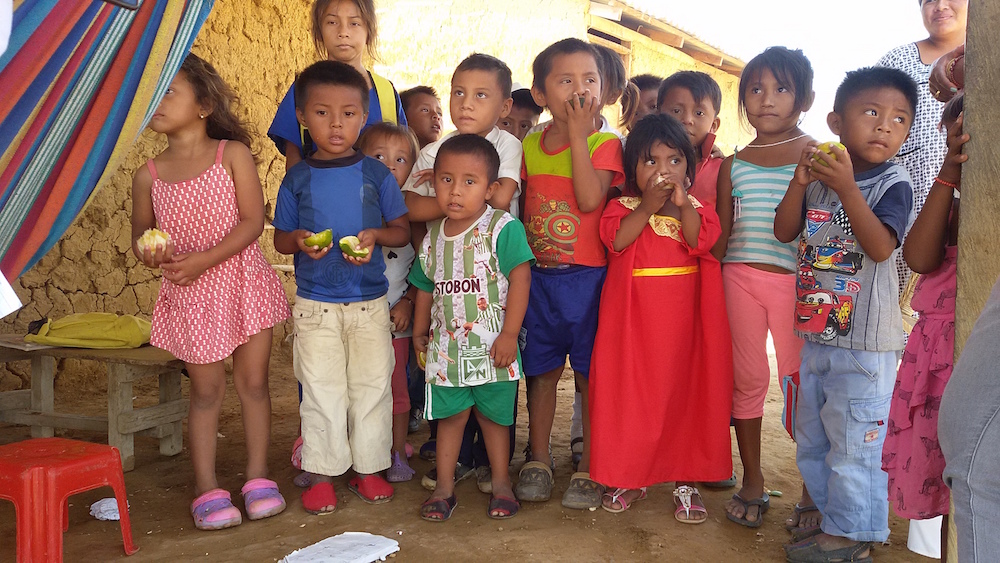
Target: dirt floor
{"type": "Point", "coordinates": [160, 490]}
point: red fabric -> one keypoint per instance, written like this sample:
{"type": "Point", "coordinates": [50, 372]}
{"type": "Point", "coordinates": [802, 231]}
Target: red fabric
{"type": "Point", "coordinates": [706, 174]}
{"type": "Point", "coordinates": [661, 379]}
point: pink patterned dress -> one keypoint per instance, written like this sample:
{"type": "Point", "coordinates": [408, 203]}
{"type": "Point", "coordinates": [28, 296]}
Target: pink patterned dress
{"type": "Point", "coordinates": [911, 454]}
{"type": "Point", "coordinates": [204, 322]}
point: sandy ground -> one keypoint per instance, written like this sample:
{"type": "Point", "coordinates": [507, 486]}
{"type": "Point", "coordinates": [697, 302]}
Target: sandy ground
{"type": "Point", "coordinates": [160, 490]}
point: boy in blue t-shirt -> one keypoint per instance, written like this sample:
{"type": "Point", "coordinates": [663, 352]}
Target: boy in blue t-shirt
{"type": "Point", "coordinates": [851, 208]}
{"type": "Point", "coordinates": [343, 354]}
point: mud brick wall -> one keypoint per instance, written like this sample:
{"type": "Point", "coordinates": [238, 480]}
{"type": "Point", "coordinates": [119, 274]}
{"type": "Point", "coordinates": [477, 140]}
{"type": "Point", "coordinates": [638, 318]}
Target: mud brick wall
{"type": "Point", "coordinates": [258, 46]}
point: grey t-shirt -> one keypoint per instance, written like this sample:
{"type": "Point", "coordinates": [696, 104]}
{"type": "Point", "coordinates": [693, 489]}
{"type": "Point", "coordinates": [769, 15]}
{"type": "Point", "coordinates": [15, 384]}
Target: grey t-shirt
{"type": "Point", "coordinates": [843, 297]}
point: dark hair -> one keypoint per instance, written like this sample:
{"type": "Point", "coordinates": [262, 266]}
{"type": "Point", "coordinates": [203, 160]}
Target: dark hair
{"type": "Point", "coordinates": [407, 96]}
{"type": "Point", "coordinates": [472, 145]}
{"type": "Point", "coordinates": [542, 65]}
{"type": "Point", "coordinates": [488, 63]}
{"type": "Point", "coordinates": [386, 130]}
{"type": "Point", "coordinates": [614, 77]}
{"type": "Point", "coordinates": [367, 10]}
{"type": "Point", "coordinates": [213, 92]}
{"type": "Point", "coordinates": [646, 82]}
{"type": "Point", "coordinates": [953, 109]}
{"type": "Point", "coordinates": [875, 78]}
{"type": "Point", "coordinates": [701, 86]}
{"type": "Point", "coordinates": [790, 68]}
{"type": "Point", "coordinates": [653, 128]}
{"type": "Point", "coordinates": [330, 72]}
{"type": "Point", "coordinates": [523, 99]}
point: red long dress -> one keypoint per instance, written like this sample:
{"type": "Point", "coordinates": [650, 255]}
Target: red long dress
{"type": "Point", "coordinates": [661, 379]}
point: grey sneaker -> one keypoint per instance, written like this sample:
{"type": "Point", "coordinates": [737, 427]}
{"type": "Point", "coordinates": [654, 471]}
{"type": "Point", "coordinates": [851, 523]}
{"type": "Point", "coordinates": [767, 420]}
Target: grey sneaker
{"type": "Point", "coordinates": [462, 472]}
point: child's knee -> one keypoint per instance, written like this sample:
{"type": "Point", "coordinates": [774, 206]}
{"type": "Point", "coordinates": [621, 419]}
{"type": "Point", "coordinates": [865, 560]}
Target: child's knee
{"type": "Point", "coordinates": [252, 389]}
{"type": "Point", "coordinates": [207, 395]}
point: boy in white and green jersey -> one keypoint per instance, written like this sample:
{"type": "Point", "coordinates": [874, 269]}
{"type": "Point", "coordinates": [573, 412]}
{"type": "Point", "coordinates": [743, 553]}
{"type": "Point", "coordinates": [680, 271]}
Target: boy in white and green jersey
{"type": "Point", "coordinates": [473, 276]}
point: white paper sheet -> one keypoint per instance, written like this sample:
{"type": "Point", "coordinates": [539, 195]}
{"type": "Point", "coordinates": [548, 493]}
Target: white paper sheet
{"type": "Point", "coordinates": [349, 547]}
{"type": "Point", "coordinates": [8, 299]}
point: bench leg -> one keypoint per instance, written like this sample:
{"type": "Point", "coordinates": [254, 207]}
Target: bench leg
{"type": "Point", "coordinates": [170, 390]}
{"type": "Point", "coordinates": [42, 395]}
{"type": "Point", "coordinates": [120, 401]}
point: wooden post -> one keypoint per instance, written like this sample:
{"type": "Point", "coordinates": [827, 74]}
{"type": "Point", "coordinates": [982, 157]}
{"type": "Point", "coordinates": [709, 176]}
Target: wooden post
{"type": "Point", "coordinates": [170, 390]}
{"type": "Point", "coordinates": [979, 232]}
{"type": "Point", "coordinates": [119, 402]}
{"type": "Point", "coordinates": [43, 374]}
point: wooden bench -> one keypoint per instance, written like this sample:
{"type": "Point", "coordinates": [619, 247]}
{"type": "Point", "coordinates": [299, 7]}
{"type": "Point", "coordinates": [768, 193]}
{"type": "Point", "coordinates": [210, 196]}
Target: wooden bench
{"type": "Point", "coordinates": [35, 407]}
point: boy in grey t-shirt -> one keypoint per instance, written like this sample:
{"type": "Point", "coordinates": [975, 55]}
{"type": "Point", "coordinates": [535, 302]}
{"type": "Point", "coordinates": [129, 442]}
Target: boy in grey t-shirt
{"type": "Point", "coordinates": [851, 209]}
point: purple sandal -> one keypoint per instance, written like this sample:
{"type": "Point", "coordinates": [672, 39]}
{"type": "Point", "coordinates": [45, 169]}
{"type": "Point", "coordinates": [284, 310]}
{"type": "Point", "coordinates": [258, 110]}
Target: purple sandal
{"type": "Point", "coordinates": [262, 498]}
{"type": "Point", "coordinates": [214, 510]}
{"type": "Point", "coordinates": [400, 470]}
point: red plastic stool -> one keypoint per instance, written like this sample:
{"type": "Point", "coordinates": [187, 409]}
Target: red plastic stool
{"type": "Point", "coordinates": [39, 476]}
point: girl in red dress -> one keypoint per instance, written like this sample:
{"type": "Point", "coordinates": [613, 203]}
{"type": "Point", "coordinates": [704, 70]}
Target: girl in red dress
{"type": "Point", "coordinates": [662, 377]}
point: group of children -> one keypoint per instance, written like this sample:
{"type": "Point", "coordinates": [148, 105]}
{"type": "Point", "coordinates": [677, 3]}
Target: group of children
{"type": "Point", "coordinates": [499, 250]}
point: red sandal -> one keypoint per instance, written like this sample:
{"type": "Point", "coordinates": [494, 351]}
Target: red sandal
{"type": "Point", "coordinates": [372, 489]}
{"type": "Point", "coordinates": [319, 499]}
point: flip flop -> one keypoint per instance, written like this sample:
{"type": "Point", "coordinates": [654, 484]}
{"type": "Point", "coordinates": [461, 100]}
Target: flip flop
{"type": "Point", "coordinates": [724, 484]}
{"type": "Point", "coordinates": [763, 503]}
{"type": "Point", "coordinates": [810, 552]}
{"type": "Point", "coordinates": [619, 497]}
{"type": "Point", "coordinates": [684, 497]}
{"type": "Point", "coordinates": [370, 487]}
{"type": "Point", "coordinates": [214, 510]}
{"type": "Point", "coordinates": [262, 498]}
{"type": "Point", "coordinates": [798, 510]}
{"type": "Point", "coordinates": [803, 534]}
{"type": "Point", "coordinates": [438, 510]}
{"type": "Point", "coordinates": [428, 451]}
{"type": "Point", "coordinates": [319, 499]}
{"type": "Point", "coordinates": [506, 506]}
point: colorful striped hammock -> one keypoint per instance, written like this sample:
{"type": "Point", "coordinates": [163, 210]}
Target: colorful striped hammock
{"type": "Point", "coordinates": [78, 83]}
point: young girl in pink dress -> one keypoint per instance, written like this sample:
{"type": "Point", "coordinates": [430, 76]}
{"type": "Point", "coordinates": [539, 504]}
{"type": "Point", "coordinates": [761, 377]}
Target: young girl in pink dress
{"type": "Point", "coordinates": [219, 295]}
{"type": "Point", "coordinates": [911, 454]}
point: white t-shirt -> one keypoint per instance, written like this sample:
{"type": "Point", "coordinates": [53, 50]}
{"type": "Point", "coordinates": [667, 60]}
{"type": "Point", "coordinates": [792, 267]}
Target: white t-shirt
{"type": "Point", "coordinates": [508, 147]}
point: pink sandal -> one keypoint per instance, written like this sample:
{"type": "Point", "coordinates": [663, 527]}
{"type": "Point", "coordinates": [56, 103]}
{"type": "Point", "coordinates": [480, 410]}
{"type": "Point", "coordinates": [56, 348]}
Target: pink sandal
{"type": "Point", "coordinates": [262, 498]}
{"type": "Point", "coordinates": [214, 510]}
{"type": "Point", "coordinates": [619, 497]}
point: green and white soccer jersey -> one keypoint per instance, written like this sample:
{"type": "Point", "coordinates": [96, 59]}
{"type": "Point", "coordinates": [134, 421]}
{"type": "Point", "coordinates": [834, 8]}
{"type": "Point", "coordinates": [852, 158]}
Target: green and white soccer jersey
{"type": "Point", "coordinates": [467, 275]}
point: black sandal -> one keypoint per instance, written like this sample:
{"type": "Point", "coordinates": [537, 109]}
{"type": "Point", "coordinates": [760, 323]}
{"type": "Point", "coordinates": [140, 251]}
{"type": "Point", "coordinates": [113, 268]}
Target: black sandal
{"type": "Point", "coordinates": [763, 503]}
{"type": "Point", "coordinates": [506, 506]}
{"type": "Point", "coordinates": [438, 510]}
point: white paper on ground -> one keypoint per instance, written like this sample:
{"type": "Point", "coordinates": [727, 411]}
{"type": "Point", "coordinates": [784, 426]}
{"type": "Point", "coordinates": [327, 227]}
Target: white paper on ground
{"type": "Point", "coordinates": [105, 509]}
{"type": "Point", "coordinates": [349, 547]}
{"type": "Point", "coordinates": [925, 537]}
{"type": "Point", "coordinates": [8, 299]}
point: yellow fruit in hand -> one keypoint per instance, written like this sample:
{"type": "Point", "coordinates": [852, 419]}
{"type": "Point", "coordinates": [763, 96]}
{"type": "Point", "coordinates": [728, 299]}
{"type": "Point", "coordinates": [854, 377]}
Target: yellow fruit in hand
{"type": "Point", "coordinates": [828, 149]}
{"type": "Point", "coordinates": [153, 238]}
{"type": "Point", "coordinates": [352, 247]}
{"type": "Point", "coordinates": [321, 239]}
{"type": "Point", "coordinates": [422, 360]}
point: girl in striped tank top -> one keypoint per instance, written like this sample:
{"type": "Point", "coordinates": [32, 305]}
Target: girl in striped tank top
{"type": "Point", "coordinates": [757, 271]}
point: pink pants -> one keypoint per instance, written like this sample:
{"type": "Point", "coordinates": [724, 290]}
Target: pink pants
{"type": "Point", "coordinates": [758, 302]}
{"type": "Point", "coordinates": [400, 391]}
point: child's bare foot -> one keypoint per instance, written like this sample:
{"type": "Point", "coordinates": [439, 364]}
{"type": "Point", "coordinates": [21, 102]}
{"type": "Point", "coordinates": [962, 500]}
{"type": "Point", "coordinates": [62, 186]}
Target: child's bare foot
{"type": "Point", "coordinates": [621, 499]}
{"type": "Point", "coordinates": [747, 507]}
{"type": "Point", "coordinates": [690, 507]}
{"type": "Point", "coordinates": [805, 514]}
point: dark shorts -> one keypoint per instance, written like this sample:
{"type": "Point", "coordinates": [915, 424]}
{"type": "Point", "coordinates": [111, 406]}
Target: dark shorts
{"type": "Point", "coordinates": [561, 319]}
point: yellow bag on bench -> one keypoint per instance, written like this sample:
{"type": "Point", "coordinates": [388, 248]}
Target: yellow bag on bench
{"type": "Point", "coordinates": [93, 330]}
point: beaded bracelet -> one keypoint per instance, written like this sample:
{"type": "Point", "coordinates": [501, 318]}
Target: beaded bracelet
{"type": "Point", "coordinates": [945, 183]}
{"type": "Point", "coordinates": [949, 72]}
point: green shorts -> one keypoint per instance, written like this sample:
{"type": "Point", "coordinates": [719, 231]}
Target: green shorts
{"type": "Point", "coordinates": [494, 400]}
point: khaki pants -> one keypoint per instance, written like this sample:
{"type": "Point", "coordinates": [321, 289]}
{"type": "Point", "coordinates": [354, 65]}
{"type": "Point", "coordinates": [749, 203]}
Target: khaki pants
{"type": "Point", "coordinates": [343, 358]}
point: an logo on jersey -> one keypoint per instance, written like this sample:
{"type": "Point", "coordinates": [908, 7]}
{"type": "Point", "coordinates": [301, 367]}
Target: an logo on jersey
{"type": "Point", "coordinates": [815, 219]}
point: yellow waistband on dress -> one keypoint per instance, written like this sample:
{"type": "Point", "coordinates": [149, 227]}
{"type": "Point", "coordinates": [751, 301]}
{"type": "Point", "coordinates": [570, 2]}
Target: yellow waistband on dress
{"type": "Point", "coordinates": [661, 272]}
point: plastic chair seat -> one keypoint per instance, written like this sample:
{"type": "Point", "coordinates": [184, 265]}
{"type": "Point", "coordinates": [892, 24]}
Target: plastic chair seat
{"type": "Point", "coordinates": [39, 476]}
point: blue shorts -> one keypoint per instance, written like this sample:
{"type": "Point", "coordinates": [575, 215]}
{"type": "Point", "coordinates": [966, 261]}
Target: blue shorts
{"type": "Point", "coordinates": [561, 319]}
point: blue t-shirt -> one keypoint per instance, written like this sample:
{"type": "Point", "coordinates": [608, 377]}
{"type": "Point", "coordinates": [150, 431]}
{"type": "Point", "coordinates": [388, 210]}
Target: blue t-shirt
{"type": "Point", "coordinates": [346, 195]}
{"type": "Point", "coordinates": [285, 126]}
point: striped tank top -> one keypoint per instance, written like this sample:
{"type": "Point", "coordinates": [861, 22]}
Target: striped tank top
{"type": "Point", "coordinates": [757, 191]}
